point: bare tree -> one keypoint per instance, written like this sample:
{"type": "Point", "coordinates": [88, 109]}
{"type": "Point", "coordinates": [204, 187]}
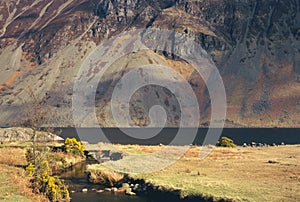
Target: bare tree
{"type": "Point", "coordinates": [35, 116]}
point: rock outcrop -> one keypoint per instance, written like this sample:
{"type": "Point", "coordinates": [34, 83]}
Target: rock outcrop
{"type": "Point", "coordinates": [255, 45]}
{"type": "Point", "coordinates": [26, 135]}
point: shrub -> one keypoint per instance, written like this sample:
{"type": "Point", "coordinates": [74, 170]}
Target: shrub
{"type": "Point", "coordinates": [56, 190]}
{"type": "Point", "coordinates": [29, 155]}
{"type": "Point", "coordinates": [51, 186]}
{"type": "Point", "coordinates": [226, 142]}
{"type": "Point", "coordinates": [73, 146]}
{"type": "Point", "coordinates": [30, 169]}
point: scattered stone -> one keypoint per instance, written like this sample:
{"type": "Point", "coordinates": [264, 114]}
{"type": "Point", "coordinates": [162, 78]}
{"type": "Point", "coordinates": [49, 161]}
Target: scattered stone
{"type": "Point", "coordinates": [272, 162]}
{"type": "Point", "coordinates": [292, 157]}
{"type": "Point", "coordinates": [116, 156]}
{"type": "Point", "coordinates": [84, 190]}
{"type": "Point", "coordinates": [129, 192]}
{"type": "Point", "coordinates": [107, 189]}
{"type": "Point", "coordinates": [122, 189]}
{"type": "Point", "coordinates": [114, 189]}
{"type": "Point", "coordinates": [211, 146]}
{"type": "Point", "coordinates": [100, 191]}
{"type": "Point", "coordinates": [126, 185]}
{"type": "Point", "coordinates": [136, 187]}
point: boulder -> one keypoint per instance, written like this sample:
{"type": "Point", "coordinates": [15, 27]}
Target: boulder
{"type": "Point", "coordinates": [107, 189]}
{"type": "Point", "coordinates": [114, 189]}
{"type": "Point", "coordinates": [126, 185]}
{"type": "Point", "coordinates": [136, 187]}
{"type": "Point", "coordinates": [129, 192]}
{"type": "Point", "coordinates": [100, 191]}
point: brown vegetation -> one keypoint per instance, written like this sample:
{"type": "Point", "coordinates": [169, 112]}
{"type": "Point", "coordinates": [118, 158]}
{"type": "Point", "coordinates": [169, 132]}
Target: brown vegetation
{"type": "Point", "coordinates": [12, 156]}
{"type": "Point", "coordinates": [104, 176]}
{"type": "Point", "coordinates": [239, 174]}
{"type": "Point", "coordinates": [14, 184]}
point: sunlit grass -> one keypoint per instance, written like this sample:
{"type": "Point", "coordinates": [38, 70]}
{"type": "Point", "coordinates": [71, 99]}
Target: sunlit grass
{"type": "Point", "coordinates": [240, 174]}
{"type": "Point", "coordinates": [14, 185]}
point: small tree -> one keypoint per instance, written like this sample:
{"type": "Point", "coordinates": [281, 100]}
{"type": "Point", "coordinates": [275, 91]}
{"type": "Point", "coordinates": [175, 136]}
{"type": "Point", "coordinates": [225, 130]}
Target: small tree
{"type": "Point", "coordinates": [36, 115]}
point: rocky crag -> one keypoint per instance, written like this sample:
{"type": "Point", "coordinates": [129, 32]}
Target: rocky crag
{"type": "Point", "coordinates": [254, 43]}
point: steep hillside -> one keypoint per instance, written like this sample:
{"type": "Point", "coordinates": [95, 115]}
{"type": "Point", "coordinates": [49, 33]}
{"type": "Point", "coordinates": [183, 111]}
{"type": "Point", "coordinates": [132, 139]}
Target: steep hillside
{"type": "Point", "coordinates": [255, 45]}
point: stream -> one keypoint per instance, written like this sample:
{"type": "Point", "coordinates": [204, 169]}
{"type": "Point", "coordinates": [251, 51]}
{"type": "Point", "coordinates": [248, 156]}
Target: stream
{"type": "Point", "coordinates": [76, 179]}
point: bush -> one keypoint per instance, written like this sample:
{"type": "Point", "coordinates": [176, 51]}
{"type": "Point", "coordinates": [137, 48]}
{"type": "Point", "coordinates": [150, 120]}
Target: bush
{"type": "Point", "coordinates": [30, 169]}
{"type": "Point", "coordinates": [51, 186]}
{"type": "Point", "coordinates": [56, 190]}
{"type": "Point", "coordinates": [226, 142]}
{"type": "Point", "coordinates": [73, 146]}
{"type": "Point", "coordinates": [29, 155]}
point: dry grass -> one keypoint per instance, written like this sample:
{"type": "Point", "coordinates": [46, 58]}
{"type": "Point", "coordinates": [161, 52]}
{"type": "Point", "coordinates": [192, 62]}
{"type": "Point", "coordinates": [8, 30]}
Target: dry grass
{"type": "Point", "coordinates": [235, 173]}
{"type": "Point", "coordinates": [12, 156]}
{"type": "Point", "coordinates": [101, 175]}
{"type": "Point", "coordinates": [14, 185]}
{"type": "Point", "coordinates": [241, 173]}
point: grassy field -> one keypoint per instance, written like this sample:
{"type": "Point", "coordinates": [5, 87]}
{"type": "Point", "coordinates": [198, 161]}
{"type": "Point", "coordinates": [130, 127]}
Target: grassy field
{"type": "Point", "coordinates": [14, 184]}
{"type": "Point", "coordinates": [241, 174]}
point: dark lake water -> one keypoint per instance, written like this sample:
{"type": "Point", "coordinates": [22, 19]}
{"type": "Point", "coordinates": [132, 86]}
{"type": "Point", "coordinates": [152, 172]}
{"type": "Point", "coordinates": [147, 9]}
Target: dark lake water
{"type": "Point", "coordinates": [239, 135]}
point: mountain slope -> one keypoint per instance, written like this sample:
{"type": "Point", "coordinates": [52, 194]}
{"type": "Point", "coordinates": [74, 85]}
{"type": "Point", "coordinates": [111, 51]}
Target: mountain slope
{"type": "Point", "coordinates": [255, 45]}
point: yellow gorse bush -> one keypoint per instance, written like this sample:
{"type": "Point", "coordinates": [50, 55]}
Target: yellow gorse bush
{"type": "Point", "coordinates": [30, 169]}
{"type": "Point", "coordinates": [43, 182]}
{"type": "Point", "coordinates": [73, 146]}
{"type": "Point", "coordinates": [226, 142]}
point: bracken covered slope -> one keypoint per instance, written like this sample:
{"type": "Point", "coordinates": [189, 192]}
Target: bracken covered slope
{"type": "Point", "coordinates": [255, 45]}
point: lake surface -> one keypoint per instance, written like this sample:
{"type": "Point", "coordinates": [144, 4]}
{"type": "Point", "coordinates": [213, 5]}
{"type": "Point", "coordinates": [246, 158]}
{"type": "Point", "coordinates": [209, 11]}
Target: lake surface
{"type": "Point", "coordinates": [239, 135]}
